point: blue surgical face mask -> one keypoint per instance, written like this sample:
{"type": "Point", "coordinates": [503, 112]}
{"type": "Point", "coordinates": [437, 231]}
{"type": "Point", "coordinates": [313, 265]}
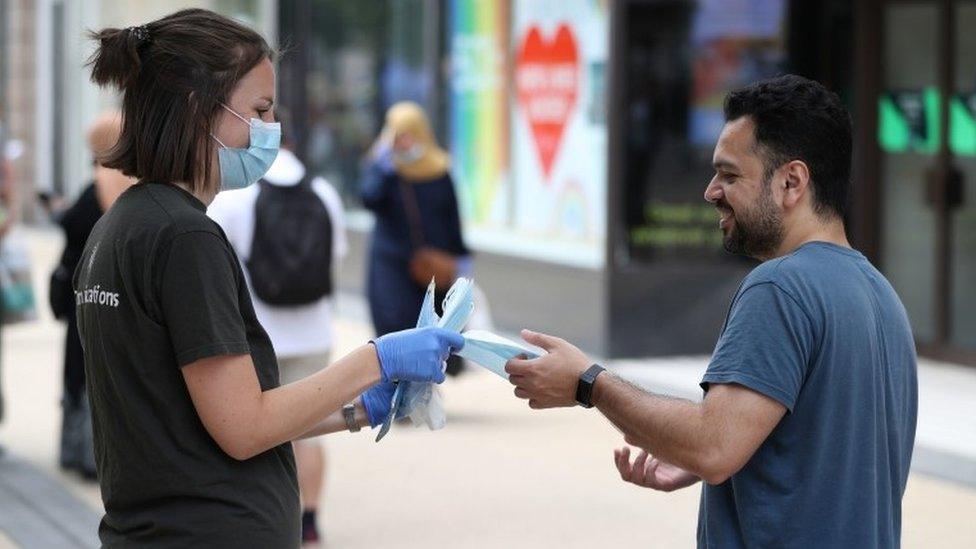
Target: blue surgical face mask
{"type": "Point", "coordinates": [492, 351]}
{"type": "Point", "coordinates": [242, 167]}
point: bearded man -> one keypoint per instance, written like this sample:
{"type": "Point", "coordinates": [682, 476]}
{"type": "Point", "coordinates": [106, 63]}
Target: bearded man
{"type": "Point", "coordinates": [804, 436]}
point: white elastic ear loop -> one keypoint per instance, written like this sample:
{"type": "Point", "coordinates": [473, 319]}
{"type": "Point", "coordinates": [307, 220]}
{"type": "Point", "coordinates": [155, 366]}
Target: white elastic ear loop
{"type": "Point", "coordinates": [218, 140]}
{"type": "Point", "coordinates": [232, 111]}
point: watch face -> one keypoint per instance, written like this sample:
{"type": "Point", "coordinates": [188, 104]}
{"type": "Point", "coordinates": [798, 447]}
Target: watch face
{"type": "Point", "coordinates": [349, 414]}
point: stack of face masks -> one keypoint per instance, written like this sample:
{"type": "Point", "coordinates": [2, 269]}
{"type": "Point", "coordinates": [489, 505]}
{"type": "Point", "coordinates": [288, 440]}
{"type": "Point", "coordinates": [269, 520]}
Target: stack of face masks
{"type": "Point", "coordinates": [422, 402]}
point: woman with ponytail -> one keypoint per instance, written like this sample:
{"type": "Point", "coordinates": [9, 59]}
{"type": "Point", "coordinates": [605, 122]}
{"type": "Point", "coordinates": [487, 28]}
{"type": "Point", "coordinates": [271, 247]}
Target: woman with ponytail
{"type": "Point", "coordinates": [192, 429]}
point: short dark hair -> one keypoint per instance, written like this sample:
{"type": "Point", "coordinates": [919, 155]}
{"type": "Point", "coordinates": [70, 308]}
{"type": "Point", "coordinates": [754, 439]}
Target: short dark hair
{"type": "Point", "coordinates": [173, 73]}
{"type": "Point", "coordinates": [799, 119]}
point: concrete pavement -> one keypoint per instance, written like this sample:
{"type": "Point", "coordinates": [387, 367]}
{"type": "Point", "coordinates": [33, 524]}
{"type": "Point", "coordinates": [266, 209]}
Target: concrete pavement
{"type": "Point", "coordinates": [36, 510]}
{"type": "Point", "coordinates": [498, 475]}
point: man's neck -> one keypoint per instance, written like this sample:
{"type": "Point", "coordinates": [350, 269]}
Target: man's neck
{"type": "Point", "coordinates": [813, 230]}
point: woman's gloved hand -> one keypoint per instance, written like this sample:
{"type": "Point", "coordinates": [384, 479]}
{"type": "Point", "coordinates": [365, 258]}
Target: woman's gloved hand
{"type": "Point", "coordinates": [377, 401]}
{"type": "Point", "coordinates": [417, 354]}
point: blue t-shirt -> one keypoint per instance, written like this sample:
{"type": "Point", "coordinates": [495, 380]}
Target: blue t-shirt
{"type": "Point", "coordinates": [822, 332]}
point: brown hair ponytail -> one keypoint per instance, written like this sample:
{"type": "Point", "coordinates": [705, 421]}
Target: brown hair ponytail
{"type": "Point", "coordinates": [173, 74]}
{"type": "Point", "coordinates": [116, 62]}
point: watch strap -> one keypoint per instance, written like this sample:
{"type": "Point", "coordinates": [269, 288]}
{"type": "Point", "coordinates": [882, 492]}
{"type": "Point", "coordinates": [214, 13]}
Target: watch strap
{"type": "Point", "coordinates": [349, 414]}
{"type": "Point", "coordinates": [584, 388]}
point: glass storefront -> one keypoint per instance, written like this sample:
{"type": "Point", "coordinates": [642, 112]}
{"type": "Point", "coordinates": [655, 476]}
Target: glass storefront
{"type": "Point", "coordinates": [345, 62]}
{"type": "Point", "coordinates": [681, 59]}
{"type": "Point", "coordinates": [674, 64]}
{"type": "Point", "coordinates": [524, 94]}
{"type": "Point", "coordinates": [962, 315]}
{"type": "Point", "coordinates": [515, 90]}
{"type": "Point", "coordinates": [343, 111]}
{"type": "Point", "coordinates": [910, 86]}
{"type": "Point", "coordinates": [927, 137]}
{"type": "Point", "coordinates": [528, 126]}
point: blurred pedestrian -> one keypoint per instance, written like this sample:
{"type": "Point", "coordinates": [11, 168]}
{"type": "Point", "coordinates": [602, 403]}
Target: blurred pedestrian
{"type": "Point", "coordinates": [192, 427]}
{"type": "Point", "coordinates": [417, 237]}
{"type": "Point", "coordinates": [7, 193]}
{"type": "Point", "coordinates": [805, 434]}
{"type": "Point", "coordinates": [76, 450]}
{"type": "Point", "coordinates": [289, 233]}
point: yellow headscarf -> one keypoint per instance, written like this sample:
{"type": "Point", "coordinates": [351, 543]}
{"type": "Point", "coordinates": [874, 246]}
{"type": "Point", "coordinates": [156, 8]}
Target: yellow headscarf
{"type": "Point", "coordinates": [407, 116]}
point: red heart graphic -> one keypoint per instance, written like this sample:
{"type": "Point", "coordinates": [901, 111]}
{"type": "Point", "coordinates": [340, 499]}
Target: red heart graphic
{"type": "Point", "coordinates": [546, 78]}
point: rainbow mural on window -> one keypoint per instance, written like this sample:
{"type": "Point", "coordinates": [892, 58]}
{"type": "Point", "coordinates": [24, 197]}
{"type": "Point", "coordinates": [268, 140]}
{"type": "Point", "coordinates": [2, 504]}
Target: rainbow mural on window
{"type": "Point", "coordinates": [479, 126]}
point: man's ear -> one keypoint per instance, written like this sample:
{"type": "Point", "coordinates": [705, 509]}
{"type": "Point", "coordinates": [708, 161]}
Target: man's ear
{"type": "Point", "coordinates": [796, 183]}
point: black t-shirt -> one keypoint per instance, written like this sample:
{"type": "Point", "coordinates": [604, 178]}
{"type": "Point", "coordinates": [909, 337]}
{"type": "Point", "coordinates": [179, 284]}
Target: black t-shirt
{"type": "Point", "coordinates": [159, 287]}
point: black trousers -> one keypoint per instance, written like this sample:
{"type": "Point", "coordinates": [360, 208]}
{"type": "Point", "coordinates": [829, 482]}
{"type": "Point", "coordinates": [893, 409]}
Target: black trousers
{"type": "Point", "coordinates": [74, 362]}
{"type": "Point", "coordinates": [77, 449]}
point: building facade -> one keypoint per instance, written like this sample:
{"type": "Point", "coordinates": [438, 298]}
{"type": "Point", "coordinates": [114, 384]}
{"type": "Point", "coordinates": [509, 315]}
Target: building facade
{"type": "Point", "coordinates": [581, 133]}
{"type": "Point", "coordinates": [47, 98]}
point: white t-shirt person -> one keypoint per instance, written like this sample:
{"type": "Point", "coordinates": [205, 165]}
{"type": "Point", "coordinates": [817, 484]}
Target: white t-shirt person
{"type": "Point", "coordinates": [294, 331]}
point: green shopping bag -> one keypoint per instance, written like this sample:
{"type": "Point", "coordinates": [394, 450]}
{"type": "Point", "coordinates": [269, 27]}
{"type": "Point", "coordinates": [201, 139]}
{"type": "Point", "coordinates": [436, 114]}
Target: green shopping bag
{"type": "Point", "coordinates": [16, 285]}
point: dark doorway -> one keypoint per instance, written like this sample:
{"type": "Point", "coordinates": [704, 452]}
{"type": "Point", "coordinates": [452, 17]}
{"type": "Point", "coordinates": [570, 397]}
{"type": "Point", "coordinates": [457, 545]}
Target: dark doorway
{"type": "Point", "coordinates": [670, 280]}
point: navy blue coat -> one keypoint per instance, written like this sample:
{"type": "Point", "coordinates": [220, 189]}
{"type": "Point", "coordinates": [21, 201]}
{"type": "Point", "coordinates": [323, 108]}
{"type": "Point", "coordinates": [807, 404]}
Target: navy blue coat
{"type": "Point", "coordinates": [394, 297]}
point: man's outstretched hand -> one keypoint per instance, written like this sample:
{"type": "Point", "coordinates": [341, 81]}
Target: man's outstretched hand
{"type": "Point", "coordinates": [651, 473]}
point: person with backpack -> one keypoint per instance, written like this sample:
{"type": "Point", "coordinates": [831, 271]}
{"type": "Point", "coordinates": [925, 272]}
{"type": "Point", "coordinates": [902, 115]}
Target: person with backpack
{"type": "Point", "coordinates": [289, 233]}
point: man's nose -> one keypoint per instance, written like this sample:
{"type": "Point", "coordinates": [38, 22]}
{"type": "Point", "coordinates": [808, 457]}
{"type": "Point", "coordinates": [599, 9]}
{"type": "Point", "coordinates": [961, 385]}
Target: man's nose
{"type": "Point", "coordinates": [713, 191]}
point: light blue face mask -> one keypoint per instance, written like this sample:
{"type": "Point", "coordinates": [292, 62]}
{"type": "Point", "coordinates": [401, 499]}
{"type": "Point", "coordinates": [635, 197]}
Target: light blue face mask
{"type": "Point", "coordinates": [242, 167]}
{"type": "Point", "coordinates": [492, 351]}
{"type": "Point", "coordinates": [411, 155]}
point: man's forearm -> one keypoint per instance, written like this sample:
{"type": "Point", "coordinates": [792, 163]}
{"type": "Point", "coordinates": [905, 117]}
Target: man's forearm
{"type": "Point", "coordinates": [672, 429]}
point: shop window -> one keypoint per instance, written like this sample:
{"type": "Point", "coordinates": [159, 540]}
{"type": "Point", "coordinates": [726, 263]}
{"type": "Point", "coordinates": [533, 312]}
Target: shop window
{"type": "Point", "coordinates": [345, 62]}
{"type": "Point", "coordinates": [680, 60]}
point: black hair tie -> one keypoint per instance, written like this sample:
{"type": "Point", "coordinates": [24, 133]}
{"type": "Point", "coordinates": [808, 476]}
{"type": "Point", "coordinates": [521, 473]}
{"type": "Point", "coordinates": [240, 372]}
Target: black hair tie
{"type": "Point", "coordinates": [141, 33]}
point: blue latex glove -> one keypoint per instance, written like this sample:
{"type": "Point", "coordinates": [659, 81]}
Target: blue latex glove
{"type": "Point", "coordinates": [417, 354]}
{"type": "Point", "coordinates": [376, 402]}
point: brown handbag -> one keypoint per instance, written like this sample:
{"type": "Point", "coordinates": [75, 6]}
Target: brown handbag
{"type": "Point", "coordinates": [427, 262]}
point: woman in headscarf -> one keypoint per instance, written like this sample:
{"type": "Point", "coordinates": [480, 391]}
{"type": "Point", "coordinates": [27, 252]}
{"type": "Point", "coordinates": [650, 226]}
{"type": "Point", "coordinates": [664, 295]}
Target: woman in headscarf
{"type": "Point", "coordinates": [417, 236]}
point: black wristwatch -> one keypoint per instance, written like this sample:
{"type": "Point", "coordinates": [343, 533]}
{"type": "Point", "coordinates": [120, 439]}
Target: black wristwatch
{"type": "Point", "coordinates": [584, 389]}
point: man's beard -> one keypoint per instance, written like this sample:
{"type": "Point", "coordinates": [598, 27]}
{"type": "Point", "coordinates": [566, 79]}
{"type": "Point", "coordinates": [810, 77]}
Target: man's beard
{"type": "Point", "coordinates": [757, 232]}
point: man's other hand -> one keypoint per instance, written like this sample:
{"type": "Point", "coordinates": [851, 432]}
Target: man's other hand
{"type": "Point", "coordinates": [653, 473]}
